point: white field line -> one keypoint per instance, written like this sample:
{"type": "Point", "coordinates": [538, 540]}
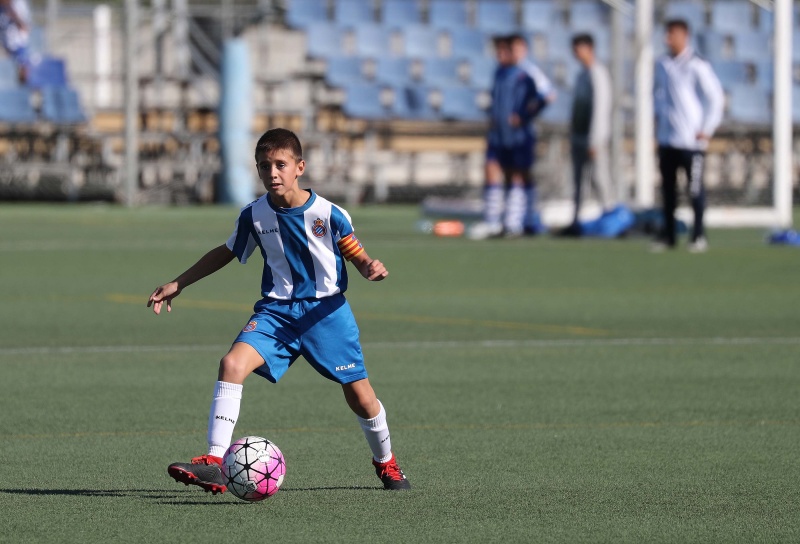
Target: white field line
{"type": "Point", "coordinates": [490, 344]}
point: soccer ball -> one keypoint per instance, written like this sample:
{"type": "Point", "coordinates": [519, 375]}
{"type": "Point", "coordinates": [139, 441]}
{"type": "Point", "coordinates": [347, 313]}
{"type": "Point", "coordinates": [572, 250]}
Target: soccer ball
{"type": "Point", "coordinates": [253, 468]}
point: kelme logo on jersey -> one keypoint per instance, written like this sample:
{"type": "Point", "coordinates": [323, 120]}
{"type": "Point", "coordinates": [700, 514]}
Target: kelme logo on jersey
{"type": "Point", "coordinates": [250, 327]}
{"type": "Point", "coordinates": [345, 367]}
{"type": "Point", "coordinates": [318, 228]}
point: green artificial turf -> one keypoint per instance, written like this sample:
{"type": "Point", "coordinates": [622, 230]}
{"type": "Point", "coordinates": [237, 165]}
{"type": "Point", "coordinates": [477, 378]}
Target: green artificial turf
{"type": "Point", "coordinates": [538, 390]}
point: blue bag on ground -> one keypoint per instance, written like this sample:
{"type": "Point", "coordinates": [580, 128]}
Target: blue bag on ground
{"type": "Point", "coordinates": [612, 224]}
{"type": "Point", "coordinates": [785, 238]}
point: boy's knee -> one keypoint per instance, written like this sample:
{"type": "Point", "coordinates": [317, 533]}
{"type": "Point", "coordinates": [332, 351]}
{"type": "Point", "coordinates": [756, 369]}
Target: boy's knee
{"type": "Point", "coordinates": [232, 368]}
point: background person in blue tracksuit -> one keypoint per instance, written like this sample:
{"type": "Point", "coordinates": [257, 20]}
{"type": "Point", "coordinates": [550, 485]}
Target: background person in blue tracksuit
{"type": "Point", "coordinates": [509, 153]}
{"type": "Point", "coordinates": [15, 22]}
{"type": "Point", "coordinates": [689, 103]}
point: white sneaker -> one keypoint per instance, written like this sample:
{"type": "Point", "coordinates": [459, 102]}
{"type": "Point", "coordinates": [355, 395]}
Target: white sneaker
{"type": "Point", "coordinates": [698, 246]}
{"type": "Point", "coordinates": [483, 230]}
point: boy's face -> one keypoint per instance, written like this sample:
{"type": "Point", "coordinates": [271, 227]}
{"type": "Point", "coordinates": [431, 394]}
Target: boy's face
{"type": "Point", "coordinates": [503, 52]}
{"type": "Point", "coordinates": [584, 53]}
{"type": "Point", "coordinates": [677, 39]}
{"type": "Point", "coordinates": [279, 170]}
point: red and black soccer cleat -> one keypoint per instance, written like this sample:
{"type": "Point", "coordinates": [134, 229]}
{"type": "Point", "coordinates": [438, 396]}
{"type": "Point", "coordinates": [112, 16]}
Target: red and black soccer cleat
{"type": "Point", "coordinates": [391, 475]}
{"type": "Point", "coordinates": [204, 471]}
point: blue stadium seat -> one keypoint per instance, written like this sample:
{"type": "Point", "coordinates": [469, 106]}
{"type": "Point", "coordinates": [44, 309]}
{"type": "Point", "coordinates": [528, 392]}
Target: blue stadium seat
{"type": "Point", "coordinates": [559, 44]}
{"type": "Point", "coordinates": [301, 13]}
{"type": "Point", "coordinates": [560, 111]}
{"type": "Point", "coordinates": [765, 75]}
{"type": "Point", "coordinates": [440, 72]}
{"type": "Point", "coordinates": [766, 20]}
{"type": "Point", "coordinates": [324, 40]}
{"type": "Point", "coordinates": [732, 16]}
{"type": "Point", "coordinates": [693, 12]}
{"type": "Point", "coordinates": [482, 71]}
{"type": "Point", "coordinates": [353, 12]}
{"type": "Point", "coordinates": [538, 15]}
{"type": "Point", "coordinates": [730, 73]}
{"type": "Point", "coordinates": [15, 106]}
{"type": "Point", "coordinates": [752, 46]}
{"type": "Point", "coordinates": [749, 104]}
{"type": "Point", "coordinates": [714, 46]}
{"type": "Point", "coordinates": [657, 40]}
{"type": "Point", "coordinates": [467, 43]}
{"type": "Point", "coordinates": [8, 74]}
{"type": "Point", "coordinates": [363, 101]}
{"type": "Point", "coordinates": [49, 72]}
{"type": "Point", "coordinates": [495, 17]}
{"type": "Point", "coordinates": [420, 41]}
{"type": "Point", "coordinates": [447, 13]}
{"type": "Point", "coordinates": [372, 41]}
{"type": "Point", "coordinates": [62, 105]}
{"type": "Point", "coordinates": [343, 71]}
{"type": "Point", "coordinates": [461, 104]}
{"type": "Point", "coordinates": [399, 13]}
{"type": "Point", "coordinates": [796, 47]}
{"type": "Point", "coordinates": [37, 42]}
{"type": "Point", "coordinates": [412, 102]}
{"type": "Point", "coordinates": [588, 15]}
{"type": "Point", "coordinates": [393, 71]}
{"type": "Point", "coordinates": [602, 42]}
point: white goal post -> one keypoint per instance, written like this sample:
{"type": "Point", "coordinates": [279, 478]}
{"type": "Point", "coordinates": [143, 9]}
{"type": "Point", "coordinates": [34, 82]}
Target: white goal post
{"type": "Point", "coordinates": [779, 214]}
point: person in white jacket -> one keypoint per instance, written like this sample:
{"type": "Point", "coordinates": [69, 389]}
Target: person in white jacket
{"type": "Point", "coordinates": [590, 128]}
{"type": "Point", "coordinates": [689, 103]}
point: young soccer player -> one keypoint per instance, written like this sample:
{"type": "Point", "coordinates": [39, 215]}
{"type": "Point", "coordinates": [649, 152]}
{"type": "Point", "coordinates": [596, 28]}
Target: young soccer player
{"type": "Point", "coordinates": [509, 150]}
{"type": "Point", "coordinates": [305, 241]}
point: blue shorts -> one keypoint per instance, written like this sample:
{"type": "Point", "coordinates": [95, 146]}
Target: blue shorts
{"type": "Point", "coordinates": [324, 331]}
{"type": "Point", "coordinates": [511, 158]}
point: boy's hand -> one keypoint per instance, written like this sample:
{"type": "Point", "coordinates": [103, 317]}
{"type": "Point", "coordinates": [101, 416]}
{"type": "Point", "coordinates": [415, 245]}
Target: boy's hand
{"type": "Point", "coordinates": [164, 293]}
{"type": "Point", "coordinates": [375, 271]}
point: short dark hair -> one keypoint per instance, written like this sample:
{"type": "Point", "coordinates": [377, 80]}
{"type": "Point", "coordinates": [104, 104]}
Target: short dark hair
{"type": "Point", "coordinates": [683, 24]}
{"type": "Point", "coordinates": [517, 37]}
{"type": "Point", "coordinates": [583, 39]}
{"type": "Point", "coordinates": [279, 138]}
{"type": "Point", "coordinates": [499, 40]}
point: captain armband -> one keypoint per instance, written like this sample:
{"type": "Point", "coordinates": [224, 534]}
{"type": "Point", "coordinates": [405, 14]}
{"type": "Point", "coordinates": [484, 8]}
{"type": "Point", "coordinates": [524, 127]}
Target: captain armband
{"type": "Point", "coordinates": [350, 247]}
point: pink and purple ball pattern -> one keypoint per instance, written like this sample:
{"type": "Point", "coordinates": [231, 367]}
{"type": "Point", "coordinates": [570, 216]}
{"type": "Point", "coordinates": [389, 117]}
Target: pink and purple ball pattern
{"type": "Point", "coordinates": [253, 468]}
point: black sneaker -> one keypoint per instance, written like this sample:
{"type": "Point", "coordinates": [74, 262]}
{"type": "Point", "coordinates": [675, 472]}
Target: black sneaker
{"type": "Point", "coordinates": [391, 475]}
{"type": "Point", "coordinates": [204, 471]}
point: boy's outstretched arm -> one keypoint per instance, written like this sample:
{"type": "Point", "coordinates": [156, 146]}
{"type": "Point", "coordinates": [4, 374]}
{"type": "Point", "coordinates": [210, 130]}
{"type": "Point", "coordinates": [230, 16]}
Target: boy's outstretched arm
{"type": "Point", "coordinates": [372, 269]}
{"type": "Point", "coordinates": [208, 264]}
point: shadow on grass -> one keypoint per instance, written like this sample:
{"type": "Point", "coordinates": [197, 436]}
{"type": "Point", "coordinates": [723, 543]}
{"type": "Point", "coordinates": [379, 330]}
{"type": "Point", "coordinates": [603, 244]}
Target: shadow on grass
{"type": "Point", "coordinates": [137, 493]}
{"type": "Point", "coordinates": [332, 488]}
{"type": "Point", "coordinates": [175, 497]}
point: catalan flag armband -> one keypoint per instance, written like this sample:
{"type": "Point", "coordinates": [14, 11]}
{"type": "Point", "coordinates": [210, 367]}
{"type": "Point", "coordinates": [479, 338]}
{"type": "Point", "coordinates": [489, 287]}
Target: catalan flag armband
{"type": "Point", "coordinates": [350, 247]}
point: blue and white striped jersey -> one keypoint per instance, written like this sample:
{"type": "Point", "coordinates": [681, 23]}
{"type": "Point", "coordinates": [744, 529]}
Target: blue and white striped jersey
{"type": "Point", "coordinates": [304, 248]}
{"type": "Point", "coordinates": [513, 92]}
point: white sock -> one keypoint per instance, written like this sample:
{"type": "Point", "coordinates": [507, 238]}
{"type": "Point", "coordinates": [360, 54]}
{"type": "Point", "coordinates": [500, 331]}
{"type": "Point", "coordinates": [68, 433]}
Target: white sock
{"type": "Point", "coordinates": [516, 205]}
{"type": "Point", "coordinates": [493, 204]}
{"type": "Point", "coordinates": [376, 431]}
{"type": "Point", "coordinates": [223, 416]}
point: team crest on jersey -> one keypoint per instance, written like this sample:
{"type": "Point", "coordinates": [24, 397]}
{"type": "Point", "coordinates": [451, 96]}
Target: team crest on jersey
{"type": "Point", "coordinates": [318, 229]}
{"type": "Point", "coordinates": [250, 327]}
